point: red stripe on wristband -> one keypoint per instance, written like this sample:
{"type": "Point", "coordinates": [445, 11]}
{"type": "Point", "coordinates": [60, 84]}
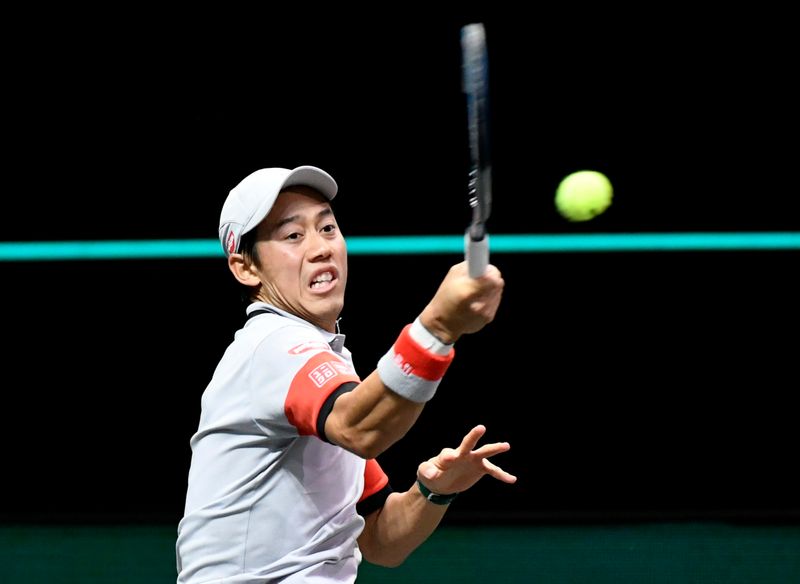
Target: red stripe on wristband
{"type": "Point", "coordinates": [416, 360]}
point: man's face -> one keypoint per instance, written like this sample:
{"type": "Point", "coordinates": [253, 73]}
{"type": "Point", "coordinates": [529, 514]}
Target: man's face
{"type": "Point", "coordinates": [303, 257]}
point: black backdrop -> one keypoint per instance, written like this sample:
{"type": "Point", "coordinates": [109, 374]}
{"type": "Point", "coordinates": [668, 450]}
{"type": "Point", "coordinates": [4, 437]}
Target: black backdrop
{"type": "Point", "coordinates": [627, 383]}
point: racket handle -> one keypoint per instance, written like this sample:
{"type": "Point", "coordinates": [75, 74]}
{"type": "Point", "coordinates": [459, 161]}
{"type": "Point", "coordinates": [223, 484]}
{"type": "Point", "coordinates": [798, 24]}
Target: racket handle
{"type": "Point", "coordinates": [476, 253]}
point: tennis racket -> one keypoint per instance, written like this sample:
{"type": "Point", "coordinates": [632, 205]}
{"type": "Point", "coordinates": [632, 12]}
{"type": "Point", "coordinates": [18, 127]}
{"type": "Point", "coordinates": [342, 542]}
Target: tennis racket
{"type": "Point", "coordinates": [475, 64]}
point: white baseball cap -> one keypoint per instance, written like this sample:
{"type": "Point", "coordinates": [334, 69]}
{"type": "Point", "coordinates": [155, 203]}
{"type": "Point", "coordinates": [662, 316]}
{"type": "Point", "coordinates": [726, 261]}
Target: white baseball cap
{"type": "Point", "coordinates": [251, 200]}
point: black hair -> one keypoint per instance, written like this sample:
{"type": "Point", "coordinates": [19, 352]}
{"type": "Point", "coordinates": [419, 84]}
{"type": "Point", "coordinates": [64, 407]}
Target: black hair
{"type": "Point", "coordinates": [247, 247]}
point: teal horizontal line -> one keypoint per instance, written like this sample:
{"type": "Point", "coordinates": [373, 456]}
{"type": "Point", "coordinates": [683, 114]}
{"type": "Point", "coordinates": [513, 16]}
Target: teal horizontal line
{"type": "Point", "coordinates": [413, 245]}
{"type": "Point", "coordinates": [605, 242]}
{"type": "Point", "coordinates": [105, 250]}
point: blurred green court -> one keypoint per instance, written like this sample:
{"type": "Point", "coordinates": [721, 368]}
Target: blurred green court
{"type": "Point", "coordinates": [641, 553]}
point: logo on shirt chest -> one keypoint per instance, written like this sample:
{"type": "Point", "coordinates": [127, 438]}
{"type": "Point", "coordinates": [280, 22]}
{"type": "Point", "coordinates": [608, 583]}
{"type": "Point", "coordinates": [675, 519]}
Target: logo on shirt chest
{"type": "Point", "coordinates": [309, 346]}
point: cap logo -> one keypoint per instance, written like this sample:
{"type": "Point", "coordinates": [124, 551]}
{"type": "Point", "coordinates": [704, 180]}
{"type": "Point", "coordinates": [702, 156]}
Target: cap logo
{"type": "Point", "coordinates": [231, 242]}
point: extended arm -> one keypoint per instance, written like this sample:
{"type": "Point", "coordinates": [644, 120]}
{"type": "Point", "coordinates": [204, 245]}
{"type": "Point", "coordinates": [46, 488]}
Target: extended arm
{"type": "Point", "coordinates": [382, 408]}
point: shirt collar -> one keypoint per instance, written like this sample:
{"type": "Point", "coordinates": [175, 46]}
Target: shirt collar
{"type": "Point", "coordinates": [335, 340]}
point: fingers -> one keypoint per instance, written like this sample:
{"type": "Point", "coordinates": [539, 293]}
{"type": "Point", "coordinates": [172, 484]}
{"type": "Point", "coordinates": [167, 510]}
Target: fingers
{"type": "Point", "coordinates": [462, 269]}
{"type": "Point", "coordinates": [486, 302]}
{"type": "Point", "coordinates": [489, 450]}
{"type": "Point", "coordinates": [495, 471]}
{"type": "Point", "coordinates": [463, 305]}
{"type": "Point", "coordinates": [471, 439]}
{"type": "Point", "coordinates": [455, 470]}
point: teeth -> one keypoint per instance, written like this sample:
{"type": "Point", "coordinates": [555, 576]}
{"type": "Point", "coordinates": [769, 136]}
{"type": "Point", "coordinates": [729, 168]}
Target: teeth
{"type": "Point", "coordinates": [321, 279]}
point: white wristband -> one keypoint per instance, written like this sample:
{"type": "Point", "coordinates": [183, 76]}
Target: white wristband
{"type": "Point", "coordinates": [411, 370]}
{"type": "Point", "coordinates": [428, 340]}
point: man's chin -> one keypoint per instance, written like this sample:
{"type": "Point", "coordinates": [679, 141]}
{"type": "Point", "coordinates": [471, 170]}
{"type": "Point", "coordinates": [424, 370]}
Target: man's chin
{"type": "Point", "coordinates": [326, 311]}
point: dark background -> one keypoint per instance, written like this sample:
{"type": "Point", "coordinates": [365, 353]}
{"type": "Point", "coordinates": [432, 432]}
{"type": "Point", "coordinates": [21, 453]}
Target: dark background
{"type": "Point", "coordinates": [629, 384]}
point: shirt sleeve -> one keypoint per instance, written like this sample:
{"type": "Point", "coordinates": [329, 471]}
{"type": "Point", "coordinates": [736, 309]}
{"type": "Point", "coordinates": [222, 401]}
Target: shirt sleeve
{"type": "Point", "coordinates": [376, 489]}
{"type": "Point", "coordinates": [292, 374]}
{"type": "Point", "coordinates": [317, 379]}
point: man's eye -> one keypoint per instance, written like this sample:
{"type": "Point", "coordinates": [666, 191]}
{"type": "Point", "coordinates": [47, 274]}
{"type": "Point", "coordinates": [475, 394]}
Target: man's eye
{"type": "Point", "coordinates": [293, 236]}
{"type": "Point", "coordinates": [329, 228]}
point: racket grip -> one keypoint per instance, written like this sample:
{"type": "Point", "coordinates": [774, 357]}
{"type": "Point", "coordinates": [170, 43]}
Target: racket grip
{"type": "Point", "coordinates": [476, 253]}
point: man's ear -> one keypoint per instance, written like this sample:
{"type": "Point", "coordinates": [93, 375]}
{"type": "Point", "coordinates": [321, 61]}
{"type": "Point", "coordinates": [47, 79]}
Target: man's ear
{"type": "Point", "coordinates": [243, 270]}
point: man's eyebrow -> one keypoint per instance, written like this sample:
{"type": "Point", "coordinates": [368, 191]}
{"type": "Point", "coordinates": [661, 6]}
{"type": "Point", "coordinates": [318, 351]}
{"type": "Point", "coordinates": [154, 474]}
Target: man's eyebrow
{"type": "Point", "coordinates": [293, 218]}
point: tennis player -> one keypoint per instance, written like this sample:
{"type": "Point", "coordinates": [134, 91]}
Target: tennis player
{"type": "Point", "coordinates": [284, 482]}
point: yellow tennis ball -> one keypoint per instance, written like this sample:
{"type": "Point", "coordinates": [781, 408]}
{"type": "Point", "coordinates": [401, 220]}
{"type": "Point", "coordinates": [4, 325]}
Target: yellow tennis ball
{"type": "Point", "coordinates": [583, 195]}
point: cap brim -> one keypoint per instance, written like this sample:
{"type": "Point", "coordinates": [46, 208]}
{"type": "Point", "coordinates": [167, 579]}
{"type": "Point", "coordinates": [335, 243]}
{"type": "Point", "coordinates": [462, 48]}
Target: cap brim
{"type": "Point", "coordinates": [309, 176]}
{"type": "Point", "coordinates": [313, 177]}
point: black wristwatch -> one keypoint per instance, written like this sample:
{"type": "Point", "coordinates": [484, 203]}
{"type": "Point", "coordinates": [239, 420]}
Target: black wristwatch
{"type": "Point", "coordinates": [435, 498]}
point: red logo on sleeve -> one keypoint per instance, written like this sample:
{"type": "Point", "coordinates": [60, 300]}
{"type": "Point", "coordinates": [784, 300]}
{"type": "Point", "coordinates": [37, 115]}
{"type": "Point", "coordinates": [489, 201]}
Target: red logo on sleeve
{"type": "Point", "coordinates": [312, 384]}
{"type": "Point", "coordinates": [322, 374]}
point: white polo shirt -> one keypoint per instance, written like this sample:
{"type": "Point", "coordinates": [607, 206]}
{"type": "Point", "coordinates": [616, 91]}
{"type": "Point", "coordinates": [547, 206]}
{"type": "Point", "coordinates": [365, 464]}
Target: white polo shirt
{"type": "Point", "coordinates": [267, 498]}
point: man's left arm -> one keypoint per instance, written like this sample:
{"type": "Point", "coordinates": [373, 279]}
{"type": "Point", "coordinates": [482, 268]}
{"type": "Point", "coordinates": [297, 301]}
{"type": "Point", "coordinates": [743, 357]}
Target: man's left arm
{"type": "Point", "coordinates": [407, 519]}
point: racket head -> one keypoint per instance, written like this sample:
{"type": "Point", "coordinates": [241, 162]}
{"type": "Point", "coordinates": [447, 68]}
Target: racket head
{"type": "Point", "coordinates": [475, 67]}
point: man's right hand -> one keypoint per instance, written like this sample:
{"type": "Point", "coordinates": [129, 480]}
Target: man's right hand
{"type": "Point", "coordinates": [463, 304]}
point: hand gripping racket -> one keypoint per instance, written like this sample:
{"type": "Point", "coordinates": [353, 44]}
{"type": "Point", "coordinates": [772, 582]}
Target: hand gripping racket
{"type": "Point", "coordinates": [475, 62]}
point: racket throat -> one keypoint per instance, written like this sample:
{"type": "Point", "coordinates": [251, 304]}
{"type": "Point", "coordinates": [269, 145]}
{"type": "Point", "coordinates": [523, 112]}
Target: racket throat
{"type": "Point", "coordinates": [477, 231]}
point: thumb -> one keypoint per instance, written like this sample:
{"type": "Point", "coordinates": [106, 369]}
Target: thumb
{"type": "Point", "coordinates": [427, 470]}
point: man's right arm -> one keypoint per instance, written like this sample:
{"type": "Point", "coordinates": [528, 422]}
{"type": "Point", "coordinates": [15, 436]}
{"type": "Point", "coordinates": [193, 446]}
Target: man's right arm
{"type": "Point", "coordinates": [383, 407]}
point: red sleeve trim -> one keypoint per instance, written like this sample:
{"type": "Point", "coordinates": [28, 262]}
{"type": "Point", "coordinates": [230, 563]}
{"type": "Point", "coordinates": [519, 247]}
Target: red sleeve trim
{"type": "Point", "coordinates": [311, 386]}
{"type": "Point", "coordinates": [374, 479]}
